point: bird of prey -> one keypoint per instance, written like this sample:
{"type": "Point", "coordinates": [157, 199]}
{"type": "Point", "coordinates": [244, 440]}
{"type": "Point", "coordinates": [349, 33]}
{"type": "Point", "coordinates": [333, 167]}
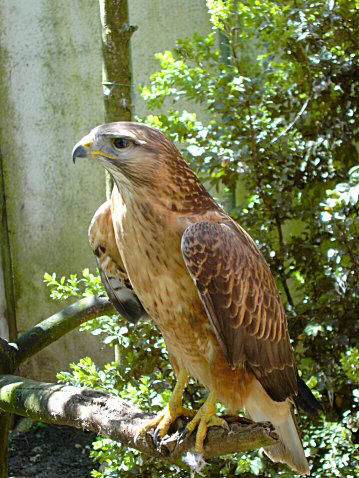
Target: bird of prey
{"type": "Point", "coordinates": [166, 249]}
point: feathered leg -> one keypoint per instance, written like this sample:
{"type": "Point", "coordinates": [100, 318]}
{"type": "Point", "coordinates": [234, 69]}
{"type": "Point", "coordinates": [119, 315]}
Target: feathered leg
{"type": "Point", "coordinates": [173, 409]}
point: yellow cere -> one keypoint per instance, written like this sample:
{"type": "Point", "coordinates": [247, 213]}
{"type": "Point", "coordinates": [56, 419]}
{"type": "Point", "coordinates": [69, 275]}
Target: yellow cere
{"type": "Point", "coordinates": [101, 153]}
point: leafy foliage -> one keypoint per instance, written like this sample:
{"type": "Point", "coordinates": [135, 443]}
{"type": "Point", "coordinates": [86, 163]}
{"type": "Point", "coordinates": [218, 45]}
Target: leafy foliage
{"type": "Point", "coordinates": [72, 286]}
{"type": "Point", "coordinates": [279, 101]}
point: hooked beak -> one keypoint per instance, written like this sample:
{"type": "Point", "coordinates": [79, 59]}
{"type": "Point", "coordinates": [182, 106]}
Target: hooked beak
{"type": "Point", "coordinates": [82, 149]}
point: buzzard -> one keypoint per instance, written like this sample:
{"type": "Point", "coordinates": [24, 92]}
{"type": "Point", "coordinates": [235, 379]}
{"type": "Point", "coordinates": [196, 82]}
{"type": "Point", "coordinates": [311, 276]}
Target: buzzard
{"type": "Point", "coordinates": [166, 249]}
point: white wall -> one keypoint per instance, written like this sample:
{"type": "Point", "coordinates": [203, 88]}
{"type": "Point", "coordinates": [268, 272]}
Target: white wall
{"type": "Point", "coordinates": [51, 95]}
{"type": "Point", "coordinates": [160, 23]}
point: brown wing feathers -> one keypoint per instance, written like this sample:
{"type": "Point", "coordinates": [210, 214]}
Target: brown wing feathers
{"type": "Point", "coordinates": [242, 303]}
{"type": "Point", "coordinates": [112, 271]}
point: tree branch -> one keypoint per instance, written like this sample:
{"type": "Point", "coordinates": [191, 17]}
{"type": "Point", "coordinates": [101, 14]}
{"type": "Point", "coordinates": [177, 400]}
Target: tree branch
{"type": "Point", "coordinates": [108, 415]}
{"type": "Point", "coordinates": [298, 115]}
{"type": "Point", "coordinates": [36, 339]}
{"type": "Point", "coordinates": [59, 324]}
{"type": "Point", "coordinates": [7, 357]}
{"type": "Point", "coordinates": [92, 410]}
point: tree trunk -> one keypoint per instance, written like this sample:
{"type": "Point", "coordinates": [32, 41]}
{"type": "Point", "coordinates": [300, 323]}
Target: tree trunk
{"type": "Point", "coordinates": [5, 261]}
{"type": "Point", "coordinates": [117, 76]}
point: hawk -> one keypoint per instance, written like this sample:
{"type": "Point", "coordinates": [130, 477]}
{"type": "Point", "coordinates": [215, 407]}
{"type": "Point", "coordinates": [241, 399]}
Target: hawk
{"type": "Point", "coordinates": [166, 249]}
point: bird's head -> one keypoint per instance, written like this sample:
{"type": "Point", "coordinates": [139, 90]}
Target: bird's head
{"type": "Point", "coordinates": [135, 154]}
{"type": "Point", "coordinates": [141, 159]}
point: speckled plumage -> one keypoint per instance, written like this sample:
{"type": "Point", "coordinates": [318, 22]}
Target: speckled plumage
{"type": "Point", "coordinates": [199, 276]}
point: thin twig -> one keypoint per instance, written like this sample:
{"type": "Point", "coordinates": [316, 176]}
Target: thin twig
{"type": "Point", "coordinates": [59, 324]}
{"type": "Point", "coordinates": [282, 259]}
{"type": "Point", "coordinates": [290, 126]}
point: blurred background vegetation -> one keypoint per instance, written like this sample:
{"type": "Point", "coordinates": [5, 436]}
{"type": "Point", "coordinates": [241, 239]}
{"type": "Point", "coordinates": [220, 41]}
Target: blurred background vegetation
{"type": "Point", "coordinates": [277, 146]}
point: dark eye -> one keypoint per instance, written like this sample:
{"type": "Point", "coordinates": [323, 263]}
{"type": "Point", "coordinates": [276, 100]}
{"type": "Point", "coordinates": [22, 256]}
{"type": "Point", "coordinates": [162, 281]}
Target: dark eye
{"type": "Point", "coordinates": [121, 143]}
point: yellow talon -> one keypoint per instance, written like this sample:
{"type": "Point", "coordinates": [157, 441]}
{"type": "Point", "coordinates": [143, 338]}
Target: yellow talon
{"type": "Point", "coordinates": [173, 409]}
{"type": "Point", "coordinates": [205, 417]}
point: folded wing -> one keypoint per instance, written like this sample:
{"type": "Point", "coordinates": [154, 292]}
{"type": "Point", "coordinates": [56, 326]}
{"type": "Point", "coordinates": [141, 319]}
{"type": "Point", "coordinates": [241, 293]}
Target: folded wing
{"type": "Point", "coordinates": [112, 271]}
{"type": "Point", "coordinates": [242, 303]}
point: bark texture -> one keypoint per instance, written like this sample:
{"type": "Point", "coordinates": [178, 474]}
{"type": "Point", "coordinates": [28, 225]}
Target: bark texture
{"type": "Point", "coordinates": [104, 414]}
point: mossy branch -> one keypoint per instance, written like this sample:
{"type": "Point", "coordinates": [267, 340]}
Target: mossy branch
{"type": "Point", "coordinates": [36, 339]}
{"type": "Point", "coordinates": [88, 409]}
{"type": "Point", "coordinates": [92, 410]}
{"type": "Point", "coordinates": [50, 330]}
{"type": "Point", "coordinates": [59, 324]}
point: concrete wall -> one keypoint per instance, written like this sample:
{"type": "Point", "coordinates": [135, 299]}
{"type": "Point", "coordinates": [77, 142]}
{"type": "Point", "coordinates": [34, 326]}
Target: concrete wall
{"type": "Point", "coordinates": [160, 23]}
{"type": "Point", "coordinates": [51, 95]}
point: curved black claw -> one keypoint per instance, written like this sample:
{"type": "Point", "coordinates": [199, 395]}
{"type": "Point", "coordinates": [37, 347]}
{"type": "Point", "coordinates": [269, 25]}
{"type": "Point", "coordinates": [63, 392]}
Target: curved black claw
{"type": "Point", "coordinates": [182, 435]}
{"type": "Point", "coordinates": [156, 437]}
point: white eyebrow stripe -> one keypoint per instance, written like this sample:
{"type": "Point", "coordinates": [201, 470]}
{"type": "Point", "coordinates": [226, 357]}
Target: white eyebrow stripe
{"type": "Point", "coordinates": [124, 136]}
